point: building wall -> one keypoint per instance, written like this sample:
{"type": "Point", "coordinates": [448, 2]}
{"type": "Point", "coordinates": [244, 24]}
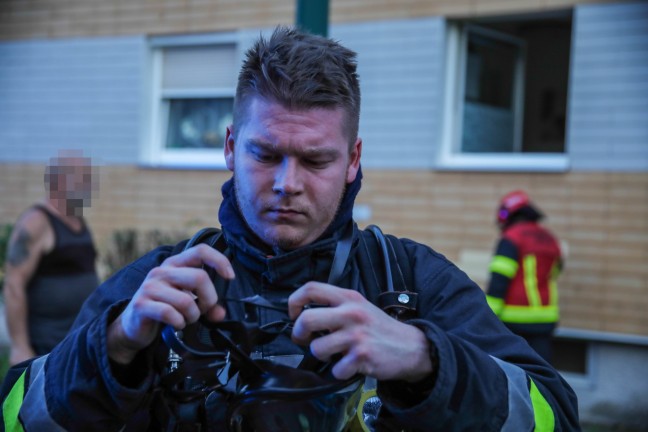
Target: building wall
{"type": "Point", "coordinates": [94, 92]}
{"type": "Point", "coordinates": [400, 64]}
{"type": "Point", "coordinates": [72, 93]}
{"type": "Point", "coordinates": [603, 288]}
{"type": "Point", "coordinates": [20, 19]}
{"type": "Point", "coordinates": [608, 112]}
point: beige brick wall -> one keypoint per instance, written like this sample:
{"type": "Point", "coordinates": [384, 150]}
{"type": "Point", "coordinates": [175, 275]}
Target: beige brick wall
{"type": "Point", "coordinates": [603, 218]}
{"type": "Point", "coordinates": [128, 197]}
{"type": "Point", "coordinates": [27, 19]}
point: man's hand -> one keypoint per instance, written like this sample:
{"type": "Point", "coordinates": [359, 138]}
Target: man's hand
{"type": "Point", "coordinates": [371, 342]}
{"type": "Point", "coordinates": [177, 293]}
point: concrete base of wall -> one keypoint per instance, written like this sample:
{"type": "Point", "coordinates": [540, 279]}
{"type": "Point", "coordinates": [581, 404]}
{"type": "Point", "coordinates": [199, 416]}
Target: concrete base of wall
{"type": "Point", "coordinates": [612, 388]}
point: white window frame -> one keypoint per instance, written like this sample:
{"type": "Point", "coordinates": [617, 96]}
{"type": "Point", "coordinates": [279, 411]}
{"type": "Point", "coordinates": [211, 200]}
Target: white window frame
{"type": "Point", "coordinates": [449, 157]}
{"type": "Point", "coordinates": [154, 153]}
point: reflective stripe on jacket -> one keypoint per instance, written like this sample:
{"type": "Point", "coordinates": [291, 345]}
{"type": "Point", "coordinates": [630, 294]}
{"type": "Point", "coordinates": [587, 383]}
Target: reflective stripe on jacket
{"type": "Point", "coordinates": [25, 407]}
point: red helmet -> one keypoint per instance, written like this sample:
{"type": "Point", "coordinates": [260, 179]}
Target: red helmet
{"type": "Point", "coordinates": [511, 203]}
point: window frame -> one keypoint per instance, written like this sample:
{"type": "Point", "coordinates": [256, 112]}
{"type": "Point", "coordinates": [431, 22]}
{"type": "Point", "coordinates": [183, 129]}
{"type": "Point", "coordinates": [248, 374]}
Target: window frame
{"type": "Point", "coordinates": [449, 156]}
{"type": "Point", "coordinates": [154, 152]}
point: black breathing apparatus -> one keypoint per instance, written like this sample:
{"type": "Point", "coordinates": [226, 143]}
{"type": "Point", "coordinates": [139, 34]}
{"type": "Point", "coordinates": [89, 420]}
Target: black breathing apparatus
{"type": "Point", "coordinates": [263, 394]}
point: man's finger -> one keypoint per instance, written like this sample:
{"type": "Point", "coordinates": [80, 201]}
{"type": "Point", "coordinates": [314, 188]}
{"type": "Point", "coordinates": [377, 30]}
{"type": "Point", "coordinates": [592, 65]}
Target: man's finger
{"type": "Point", "coordinates": [346, 367]}
{"type": "Point", "coordinates": [326, 346]}
{"type": "Point", "coordinates": [318, 293]}
{"type": "Point", "coordinates": [179, 300]}
{"type": "Point", "coordinates": [195, 281]}
{"type": "Point", "coordinates": [200, 255]}
{"type": "Point", "coordinates": [155, 313]}
{"type": "Point", "coordinates": [313, 321]}
{"type": "Point", "coordinates": [216, 313]}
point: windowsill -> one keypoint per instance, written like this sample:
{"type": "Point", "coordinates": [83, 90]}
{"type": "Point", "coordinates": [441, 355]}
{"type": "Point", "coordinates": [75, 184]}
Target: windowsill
{"type": "Point", "coordinates": [182, 167]}
{"type": "Point", "coordinates": [601, 337]}
{"type": "Point", "coordinates": [539, 162]}
{"type": "Point", "coordinates": [186, 159]}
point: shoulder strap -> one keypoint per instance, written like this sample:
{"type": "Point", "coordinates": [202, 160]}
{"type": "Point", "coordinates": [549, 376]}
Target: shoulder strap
{"type": "Point", "coordinates": [54, 222]}
{"type": "Point", "coordinates": [386, 272]}
{"type": "Point", "coordinates": [209, 235]}
{"type": "Point", "coordinates": [378, 254]}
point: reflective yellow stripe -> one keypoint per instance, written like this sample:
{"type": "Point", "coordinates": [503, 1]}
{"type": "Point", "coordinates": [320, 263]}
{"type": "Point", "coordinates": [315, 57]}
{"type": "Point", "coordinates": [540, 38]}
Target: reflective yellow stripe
{"type": "Point", "coordinates": [531, 280]}
{"type": "Point", "coordinates": [529, 314]}
{"type": "Point", "coordinates": [495, 303]}
{"type": "Point", "coordinates": [12, 404]}
{"type": "Point", "coordinates": [553, 286]}
{"type": "Point", "coordinates": [542, 412]}
{"type": "Point", "coordinates": [357, 423]}
{"type": "Point", "coordinates": [504, 265]}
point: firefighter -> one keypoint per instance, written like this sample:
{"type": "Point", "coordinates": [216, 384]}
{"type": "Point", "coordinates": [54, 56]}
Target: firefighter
{"type": "Point", "coordinates": [522, 290]}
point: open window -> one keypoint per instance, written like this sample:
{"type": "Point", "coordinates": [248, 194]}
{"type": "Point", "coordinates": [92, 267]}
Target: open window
{"type": "Point", "coordinates": [194, 81]}
{"type": "Point", "coordinates": [506, 93]}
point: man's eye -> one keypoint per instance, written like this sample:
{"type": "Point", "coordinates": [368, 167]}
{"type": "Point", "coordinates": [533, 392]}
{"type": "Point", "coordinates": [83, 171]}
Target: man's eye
{"type": "Point", "coordinates": [316, 163]}
{"type": "Point", "coordinates": [264, 157]}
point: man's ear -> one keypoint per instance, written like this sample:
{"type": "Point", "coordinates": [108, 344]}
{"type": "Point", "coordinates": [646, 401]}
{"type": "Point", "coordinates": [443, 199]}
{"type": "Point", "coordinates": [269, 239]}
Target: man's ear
{"type": "Point", "coordinates": [354, 161]}
{"type": "Point", "coordinates": [229, 147]}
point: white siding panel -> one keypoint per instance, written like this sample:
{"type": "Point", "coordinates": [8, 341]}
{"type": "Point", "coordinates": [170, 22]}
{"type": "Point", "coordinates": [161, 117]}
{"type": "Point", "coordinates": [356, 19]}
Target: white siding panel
{"type": "Point", "coordinates": [608, 118]}
{"type": "Point", "coordinates": [400, 67]}
{"type": "Point", "coordinates": [612, 89]}
{"type": "Point", "coordinates": [73, 93]}
{"type": "Point", "coordinates": [603, 13]}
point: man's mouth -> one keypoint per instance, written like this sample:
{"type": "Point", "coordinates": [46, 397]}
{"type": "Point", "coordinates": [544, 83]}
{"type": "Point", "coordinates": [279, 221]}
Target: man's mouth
{"type": "Point", "coordinates": [285, 212]}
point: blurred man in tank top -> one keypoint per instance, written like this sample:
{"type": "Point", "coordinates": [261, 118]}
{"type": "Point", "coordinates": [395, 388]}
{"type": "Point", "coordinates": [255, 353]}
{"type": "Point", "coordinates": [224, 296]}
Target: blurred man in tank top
{"type": "Point", "coordinates": [50, 267]}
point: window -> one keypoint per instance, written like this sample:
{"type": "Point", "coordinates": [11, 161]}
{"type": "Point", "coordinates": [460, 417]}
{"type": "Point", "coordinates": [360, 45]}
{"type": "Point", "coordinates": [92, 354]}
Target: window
{"type": "Point", "coordinates": [506, 93]}
{"type": "Point", "coordinates": [193, 96]}
{"type": "Point", "coordinates": [492, 102]}
{"type": "Point", "coordinates": [570, 355]}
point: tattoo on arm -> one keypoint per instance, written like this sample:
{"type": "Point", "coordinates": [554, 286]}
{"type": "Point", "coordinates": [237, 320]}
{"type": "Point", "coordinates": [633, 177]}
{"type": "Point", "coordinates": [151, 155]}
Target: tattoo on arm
{"type": "Point", "coordinates": [19, 249]}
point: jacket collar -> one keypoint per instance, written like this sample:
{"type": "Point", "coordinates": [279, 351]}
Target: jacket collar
{"type": "Point", "coordinates": [290, 269]}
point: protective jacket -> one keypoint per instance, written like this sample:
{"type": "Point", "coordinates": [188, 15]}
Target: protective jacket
{"type": "Point", "coordinates": [487, 378]}
{"type": "Point", "coordinates": [523, 290]}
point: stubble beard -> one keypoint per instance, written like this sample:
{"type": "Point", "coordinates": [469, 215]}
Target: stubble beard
{"type": "Point", "coordinates": [269, 235]}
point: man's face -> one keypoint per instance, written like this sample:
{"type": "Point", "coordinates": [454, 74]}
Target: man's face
{"type": "Point", "coordinates": [78, 179]}
{"type": "Point", "coordinates": [290, 170]}
{"type": "Point", "coordinates": [70, 178]}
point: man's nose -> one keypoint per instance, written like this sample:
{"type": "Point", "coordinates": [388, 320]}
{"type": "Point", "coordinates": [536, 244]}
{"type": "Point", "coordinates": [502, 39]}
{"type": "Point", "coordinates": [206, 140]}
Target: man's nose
{"type": "Point", "coordinates": [287, 178]}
